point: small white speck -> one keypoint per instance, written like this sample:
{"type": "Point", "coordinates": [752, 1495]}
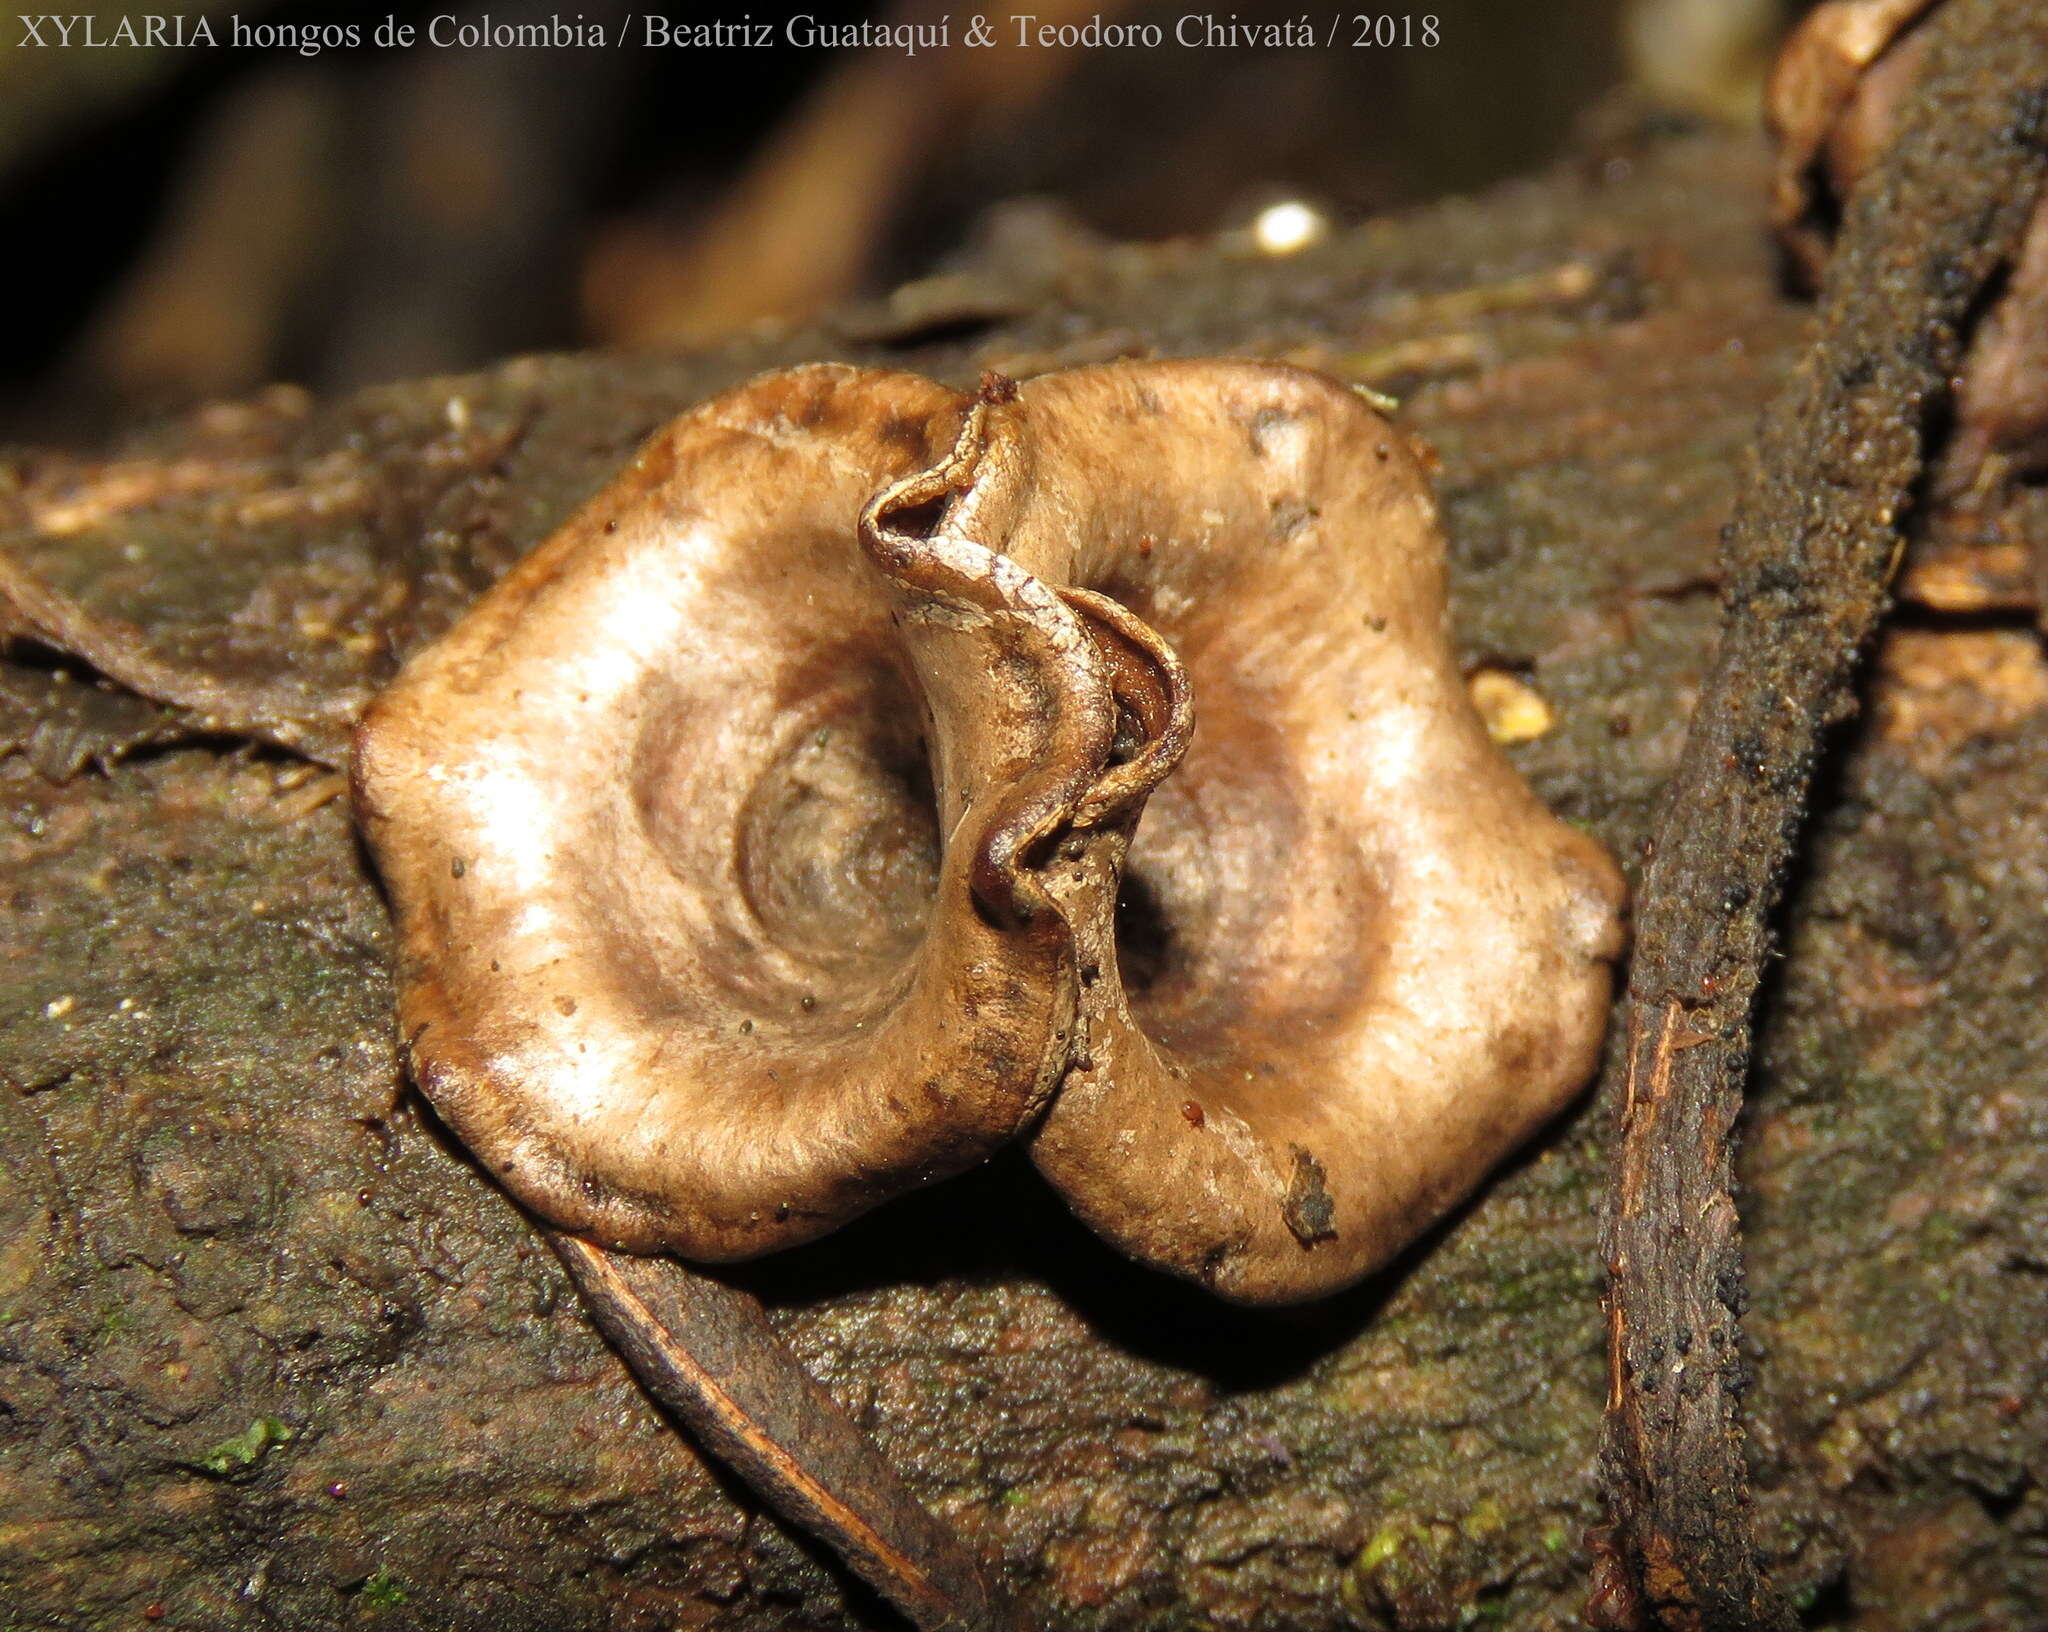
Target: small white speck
{"type": "Point", "coordinates": [1284, 228]}
{"type": "Point", "coordinates": [60, 1007]}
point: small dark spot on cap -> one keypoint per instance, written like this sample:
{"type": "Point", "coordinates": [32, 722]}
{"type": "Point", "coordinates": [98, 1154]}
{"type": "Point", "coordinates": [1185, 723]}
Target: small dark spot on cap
{"type": "Point", "coordinates": [1308, 1211]}
{"type": "Point", "coordinates": [565, 1005]}
{"type": "Point", "coordinates": [612, 526]}
{"type": "Point", "coordinates": [1289, 517]}
{"type": "Point", "coordinates": [746, 1025]}
{"type": "Point", "coordinates": [1191, 1112]}
{"type": "Point", "coordinates": [457, 867]}
{"type": "Point", "coordinates": [807, 1002]}
{"type": "Point", "coordinates": [997, 388]}
{"type": "Point", "coordinates": [1263, 424]}
{"type": "Point", "coordinates": [903, 431]}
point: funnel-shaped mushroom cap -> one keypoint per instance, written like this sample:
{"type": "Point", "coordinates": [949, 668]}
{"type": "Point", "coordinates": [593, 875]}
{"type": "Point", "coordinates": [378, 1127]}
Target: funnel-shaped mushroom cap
{"type": "Point", "coordinates": [777, 837]}
{"type": "Point", "coordinates": [1360, 961]}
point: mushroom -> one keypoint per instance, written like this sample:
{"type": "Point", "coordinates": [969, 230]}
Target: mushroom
{"type": "Point", "coordinates": [820, 810]}
{"type": "Point", "coordinates": [1835, 99]}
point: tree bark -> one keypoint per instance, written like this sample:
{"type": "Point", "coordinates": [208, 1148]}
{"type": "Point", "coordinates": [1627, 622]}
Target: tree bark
{"type": "Point", "coordinates": [275, 1354]}
{"type": "Point", "coordinates": [1818, 531]}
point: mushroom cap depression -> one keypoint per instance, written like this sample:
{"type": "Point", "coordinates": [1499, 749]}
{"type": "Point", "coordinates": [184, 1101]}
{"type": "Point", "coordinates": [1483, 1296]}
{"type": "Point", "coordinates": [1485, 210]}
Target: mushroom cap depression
{"type": "Point", "coordinates": [821, 809]}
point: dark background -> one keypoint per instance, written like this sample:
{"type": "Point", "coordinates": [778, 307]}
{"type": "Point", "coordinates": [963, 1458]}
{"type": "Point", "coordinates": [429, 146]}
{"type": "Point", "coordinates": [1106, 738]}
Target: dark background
{"type": "Point", "coordinates": [182, 224]}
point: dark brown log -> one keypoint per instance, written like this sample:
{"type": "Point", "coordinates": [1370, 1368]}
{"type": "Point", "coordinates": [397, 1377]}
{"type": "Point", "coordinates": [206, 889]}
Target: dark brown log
{"type": "Point", "coordinates": [1818, 534]}
{"type": "Point", "coordinates": [271, 1349]}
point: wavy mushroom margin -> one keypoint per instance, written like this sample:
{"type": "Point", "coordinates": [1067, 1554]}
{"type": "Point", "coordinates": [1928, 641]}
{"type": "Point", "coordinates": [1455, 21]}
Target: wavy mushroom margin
{"type": "Point", "coordinates": [821, 809]}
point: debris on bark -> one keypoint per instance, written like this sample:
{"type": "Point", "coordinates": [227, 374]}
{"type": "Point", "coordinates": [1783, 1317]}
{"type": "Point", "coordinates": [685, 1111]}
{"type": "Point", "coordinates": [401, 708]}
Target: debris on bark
{"type": "Point", "coordinates": [219, 1206]}
{"type": "Point", "coordinates": [1816, 538]}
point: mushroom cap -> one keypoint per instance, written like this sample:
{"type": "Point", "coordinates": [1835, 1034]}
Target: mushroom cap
{"type": "Point", "coordinates": [1376, 962]}
{"type": "Point", "coordinates": [821, 808]}
{"type": "Point", "coordinates": [683, 958]}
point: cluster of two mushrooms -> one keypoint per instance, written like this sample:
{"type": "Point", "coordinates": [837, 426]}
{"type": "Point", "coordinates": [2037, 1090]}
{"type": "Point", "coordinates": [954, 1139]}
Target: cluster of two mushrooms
{"type": "Point", "coordinates": [758, 844]}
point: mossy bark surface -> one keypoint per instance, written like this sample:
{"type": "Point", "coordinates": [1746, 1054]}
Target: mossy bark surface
{"type": "Point", "coordinates": [273, 1353]}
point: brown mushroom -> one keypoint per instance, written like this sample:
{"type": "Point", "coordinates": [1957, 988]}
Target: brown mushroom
{"type": "Point", "coordinates": [1835, 100]}
{"type": "Point", "coordinates": [769, 842]}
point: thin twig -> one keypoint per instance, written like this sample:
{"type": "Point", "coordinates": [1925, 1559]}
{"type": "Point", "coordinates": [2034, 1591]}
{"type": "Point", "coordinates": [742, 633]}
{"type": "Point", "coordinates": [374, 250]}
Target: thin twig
{"type": "Point", "coordinates": [706, 1352]}
{"type": "Point", "coordinates": [1815, 539]}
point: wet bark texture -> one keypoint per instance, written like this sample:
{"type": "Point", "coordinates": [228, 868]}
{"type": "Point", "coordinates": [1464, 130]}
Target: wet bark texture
{"type": "Point", "coordinates": [275, 1354]}
{"type": "Point", "coordinates": [1809, 559]}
